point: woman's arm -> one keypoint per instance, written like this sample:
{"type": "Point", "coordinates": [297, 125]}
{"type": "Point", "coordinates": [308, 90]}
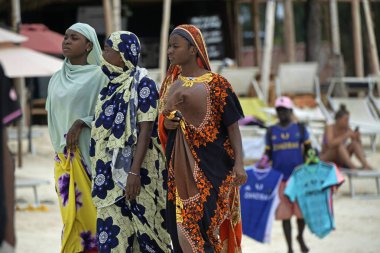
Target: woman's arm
{"type": "Point", "coordinates": [334, 141]}
{"type": "Point", "coordinates": [236, 143]}
{"type": "Point", "coordinates": [72, 136]}
{"type": "Point", "coordinates": [134, 180]}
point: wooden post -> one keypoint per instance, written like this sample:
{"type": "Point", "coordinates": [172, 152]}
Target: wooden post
{"type": "Point", "coordinates": [231, 28]}
{"type": "Point", "coordinates": [19, 84]}
{"type": "Point", "coordinates": [16, 14]}
{"type": "Point", "coordinates": [256, 30]}
{"type": "Point", "coordinates": [335, 27]}
{"type": "Point", "coordinates": [238, 37]}
{"type": "Point", "coordinates": [357, 37]}
{"type": "Point", "coordinates": [337, 58]}
{"type": "Point", "coordinates": [164, 37]}
{"type": "Point", "coordinates": [268, 44]}
{"type": "Point", "coordinates": [108, 17]}
{"type": "Point", "coordinates": [371, 38]}
{"type": "Point", "coordinates": [116, 4]}
{"type": "Point", "coordinates": [290, 44]}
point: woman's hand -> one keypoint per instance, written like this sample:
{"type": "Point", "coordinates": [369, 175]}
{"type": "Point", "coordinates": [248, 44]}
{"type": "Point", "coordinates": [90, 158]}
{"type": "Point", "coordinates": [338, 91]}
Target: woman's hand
{"type": "Point", "coordinates": [72, 136]}
{"type": "Point", "coordinates": [240, 174]}
{"type": "Point", "coordinates": [133, 187]}
{"type": "Point", "coordinates": [171, 124]}
{"type": "Point", "coordinates": [356, 136]}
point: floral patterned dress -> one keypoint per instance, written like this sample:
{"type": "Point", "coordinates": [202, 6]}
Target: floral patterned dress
{"type": "Point", "coordinates": [137, 225]}
{"type": "Point", "coordinates": [73, 186]}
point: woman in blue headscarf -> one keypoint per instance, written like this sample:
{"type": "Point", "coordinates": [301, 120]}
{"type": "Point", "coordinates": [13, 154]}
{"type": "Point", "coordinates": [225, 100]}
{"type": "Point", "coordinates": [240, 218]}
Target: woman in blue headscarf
{"type": "Point", "coordinates": [128, 162]}
{"type": "Point", "coordinates": [71, 101]}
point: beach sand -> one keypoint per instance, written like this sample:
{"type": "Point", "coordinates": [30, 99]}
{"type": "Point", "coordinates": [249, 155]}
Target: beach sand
{"type": "Point", "coordinates": [357, 220]}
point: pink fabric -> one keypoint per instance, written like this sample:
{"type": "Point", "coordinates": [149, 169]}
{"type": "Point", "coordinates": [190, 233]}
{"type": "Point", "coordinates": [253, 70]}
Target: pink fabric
{"type": "Point", "coordinates": [286, 209]}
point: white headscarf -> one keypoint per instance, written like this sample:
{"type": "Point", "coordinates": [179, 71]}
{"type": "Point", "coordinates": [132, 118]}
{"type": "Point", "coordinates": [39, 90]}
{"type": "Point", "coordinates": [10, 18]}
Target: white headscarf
{"type": "Point", "coordinates": [90, 33]}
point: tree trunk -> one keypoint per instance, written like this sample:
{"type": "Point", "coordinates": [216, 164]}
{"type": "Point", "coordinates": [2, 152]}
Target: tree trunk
{"type": "Point", "coordinates": [313, 29]}
{"type": "Point", "coordinates": [256, 31]}
{"type": "Point", "coordinates": [290, 40]}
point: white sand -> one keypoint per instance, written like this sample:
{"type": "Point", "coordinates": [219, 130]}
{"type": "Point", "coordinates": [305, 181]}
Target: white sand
{"type": "Point", "coordinates": [357, 221]}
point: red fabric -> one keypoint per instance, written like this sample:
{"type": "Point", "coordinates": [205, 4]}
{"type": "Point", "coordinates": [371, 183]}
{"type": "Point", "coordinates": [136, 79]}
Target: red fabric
{"type": "Point", "coordinates": [92, 251]}
{"type": "Point", "coordinates": [233, 234]}
{"type": "Point", "coordinates": [41, 39]}
{"type": "Point", "coordinates": [161, 132]}
{"type": "Point", "coordinates": [231, 231]}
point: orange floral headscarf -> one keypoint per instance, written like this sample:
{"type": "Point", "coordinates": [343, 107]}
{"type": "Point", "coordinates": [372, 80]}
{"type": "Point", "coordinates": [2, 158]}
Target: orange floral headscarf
{"type": "Point", "coordinates": [194, 35]}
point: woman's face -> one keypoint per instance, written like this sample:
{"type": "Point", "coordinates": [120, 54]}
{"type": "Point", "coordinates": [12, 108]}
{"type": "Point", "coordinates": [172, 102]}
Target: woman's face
{"type": "Point", "coordinates": [75, 44]}
{"type": "Point", "coordinates": [180, 51]}
{"type": "Point", "coordinates": [112, 56]}
{"type": "Point", "coordinates": [343, 122]}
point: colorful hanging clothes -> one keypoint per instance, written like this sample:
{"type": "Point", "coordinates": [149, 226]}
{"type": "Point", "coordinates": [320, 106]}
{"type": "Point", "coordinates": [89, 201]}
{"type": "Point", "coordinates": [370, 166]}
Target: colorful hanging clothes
{"type": "Point", "coordinates": [311, 186]}
{"type": "Point", "coordinates": [129, 99]}
{"type": "Point", "coordinates": [259, 200]}
{"type": "Point", "coordinates": [203, 202]}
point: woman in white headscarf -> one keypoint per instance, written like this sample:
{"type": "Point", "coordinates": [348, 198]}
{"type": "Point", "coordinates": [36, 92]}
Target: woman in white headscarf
{"type": "Point", "coordinates": [72, 96]}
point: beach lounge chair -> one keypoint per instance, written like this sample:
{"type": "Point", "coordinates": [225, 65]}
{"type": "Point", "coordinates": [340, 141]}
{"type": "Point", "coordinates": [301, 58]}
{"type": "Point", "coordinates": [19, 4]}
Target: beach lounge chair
{"type": "Point", "coordinates": [300, 79]}
{"type": "Point", "coordinates": [31, 183]}
{"type": "Point", "coordinates": [363, 174]}
{"type": "Point", "coordinates": [241, 79]}
{"type": "Point", "coordinates": [375, 99]}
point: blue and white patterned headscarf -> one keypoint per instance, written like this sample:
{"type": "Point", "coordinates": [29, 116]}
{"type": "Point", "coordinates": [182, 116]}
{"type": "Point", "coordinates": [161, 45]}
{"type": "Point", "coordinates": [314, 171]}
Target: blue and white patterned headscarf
{"type": "Point", "coordinates": [115, 128]}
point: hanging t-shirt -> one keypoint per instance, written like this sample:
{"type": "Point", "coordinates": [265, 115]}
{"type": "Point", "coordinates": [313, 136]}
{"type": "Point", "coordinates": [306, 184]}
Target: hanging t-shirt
{"type": "Point", "coordinates": [285, 145]}
{"type": "Point", "coordinates": [311, 186]}
{"type": "Point", "coordinates": [259, 200]}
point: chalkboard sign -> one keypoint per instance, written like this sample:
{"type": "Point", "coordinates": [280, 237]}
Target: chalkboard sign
{"type": "Point", "coordinates": [211, 27]}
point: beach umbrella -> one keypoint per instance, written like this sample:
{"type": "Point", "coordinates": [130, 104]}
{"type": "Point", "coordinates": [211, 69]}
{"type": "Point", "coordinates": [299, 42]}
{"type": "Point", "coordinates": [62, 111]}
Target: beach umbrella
{"type": "Point", "coordinates": [19, 61]}
{"type": "Point", "coordinates": [11, 37]}
{"type": "Point", "coordinates": [42, 39]}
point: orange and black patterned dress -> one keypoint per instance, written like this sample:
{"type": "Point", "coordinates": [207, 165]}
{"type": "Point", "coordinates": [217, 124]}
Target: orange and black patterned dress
{"type": "Point", "coordinates": [200, 160]}
{"type": "Point", "coordinates": [203, 206]}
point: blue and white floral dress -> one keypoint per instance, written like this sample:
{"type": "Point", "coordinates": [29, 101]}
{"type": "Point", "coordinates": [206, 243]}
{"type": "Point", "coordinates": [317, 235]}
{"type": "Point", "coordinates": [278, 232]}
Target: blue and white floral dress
{"type": "Point", "coordinates": [138, 225]}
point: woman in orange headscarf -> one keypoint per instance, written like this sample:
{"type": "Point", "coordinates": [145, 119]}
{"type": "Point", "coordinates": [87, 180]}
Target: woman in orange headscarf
{"type": "Point", "coordinates": [199, 130]}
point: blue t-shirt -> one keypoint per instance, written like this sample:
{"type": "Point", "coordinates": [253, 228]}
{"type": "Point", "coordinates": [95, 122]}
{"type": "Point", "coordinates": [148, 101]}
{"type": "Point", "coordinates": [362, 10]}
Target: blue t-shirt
{"type": "Point", "coordinates": [286, 147]}
{"type": "Point", "coordinates": [310, 186]}
{"type": "Point", "coordinates": [259, 200]}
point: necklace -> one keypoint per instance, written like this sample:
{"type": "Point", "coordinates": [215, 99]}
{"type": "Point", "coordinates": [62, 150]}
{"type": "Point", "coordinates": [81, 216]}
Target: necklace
{"type": "Point", "coordinates": [189, 81]}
